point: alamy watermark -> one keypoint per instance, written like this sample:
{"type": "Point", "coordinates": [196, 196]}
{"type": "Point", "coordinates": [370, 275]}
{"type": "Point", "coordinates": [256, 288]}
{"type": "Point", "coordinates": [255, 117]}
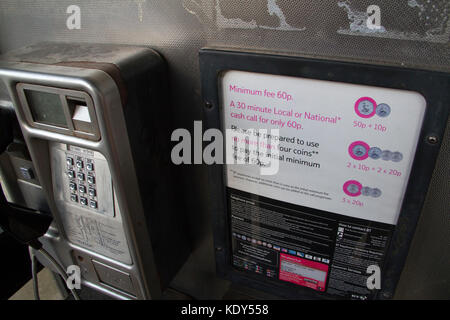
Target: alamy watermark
{"type": "Point", "coordinates": [259, 147]}
{"type": "Point", "coordinates": [73, 277]}
{"type": "Point", "coordinates": [74, 19]}
{"type": "Point", "coordinates": [374, 280]}
{"type": "Point", "coordinates": [373, 21]}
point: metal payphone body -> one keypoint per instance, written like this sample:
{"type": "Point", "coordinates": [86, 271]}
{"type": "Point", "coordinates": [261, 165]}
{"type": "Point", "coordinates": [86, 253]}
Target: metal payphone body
{"type": "Point", "coordinates": [91, 116]}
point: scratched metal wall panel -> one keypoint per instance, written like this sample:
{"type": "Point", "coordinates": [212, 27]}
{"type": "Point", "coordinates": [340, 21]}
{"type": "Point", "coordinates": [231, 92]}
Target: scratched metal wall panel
{"type": "Point", "coordinates": [412, 33]}
{"type": "Point", "coordinates": [425, 275]}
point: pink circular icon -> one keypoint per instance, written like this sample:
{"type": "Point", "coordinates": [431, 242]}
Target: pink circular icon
{"type": "Point", "coordinates": [365, 107]}
{"type": "Point", "coordinates": [359, 150]}
{"type": "Point", "coordinates": [352, 188]}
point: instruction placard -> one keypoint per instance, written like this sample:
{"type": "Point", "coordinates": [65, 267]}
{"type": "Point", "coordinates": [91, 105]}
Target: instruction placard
{"type": "Point", "coordinates": [342, 148]}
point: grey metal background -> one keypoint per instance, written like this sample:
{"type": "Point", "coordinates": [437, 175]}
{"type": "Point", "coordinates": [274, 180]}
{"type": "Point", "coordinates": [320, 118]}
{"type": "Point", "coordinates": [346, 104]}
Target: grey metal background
{"type": "Point", "coordinates": [416, 34]}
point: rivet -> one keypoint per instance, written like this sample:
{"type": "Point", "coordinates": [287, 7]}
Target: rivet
{"type": "Point", "coordinates": [432, 139]}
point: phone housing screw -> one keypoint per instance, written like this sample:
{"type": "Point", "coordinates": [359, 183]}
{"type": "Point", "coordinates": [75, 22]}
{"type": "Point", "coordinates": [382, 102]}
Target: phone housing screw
{"type": "Point", "coordinates": [432, 139]}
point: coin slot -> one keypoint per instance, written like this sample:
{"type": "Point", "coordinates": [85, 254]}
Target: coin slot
{"type": "Point", "coordinates": [81, 114]}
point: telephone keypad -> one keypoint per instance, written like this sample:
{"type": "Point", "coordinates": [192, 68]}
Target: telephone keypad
{"type": "Point", "coordinates": [82, 182]}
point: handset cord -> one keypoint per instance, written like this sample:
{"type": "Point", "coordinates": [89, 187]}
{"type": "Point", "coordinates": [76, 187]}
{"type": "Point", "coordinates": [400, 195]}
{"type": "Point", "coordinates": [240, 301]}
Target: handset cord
{"type": "Point", "coordinates": [34, 273]}
{"type": "Point", "coordinates": [55, 264]}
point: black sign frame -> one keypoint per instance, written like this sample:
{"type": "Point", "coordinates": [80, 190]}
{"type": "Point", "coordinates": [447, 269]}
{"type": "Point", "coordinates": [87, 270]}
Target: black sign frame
{"type": "Point", "coordinates": [434, 86]}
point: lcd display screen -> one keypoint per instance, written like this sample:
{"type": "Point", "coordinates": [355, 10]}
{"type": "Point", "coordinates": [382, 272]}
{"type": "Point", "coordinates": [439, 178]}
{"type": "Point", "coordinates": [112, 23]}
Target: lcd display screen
{"type": "Point", "coordinates": [46, 108]}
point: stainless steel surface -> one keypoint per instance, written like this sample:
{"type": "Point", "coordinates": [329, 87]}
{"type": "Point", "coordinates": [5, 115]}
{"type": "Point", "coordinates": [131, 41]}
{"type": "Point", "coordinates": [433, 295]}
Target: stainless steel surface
{"type": "Point", "coordinates": [425, 275]}
{"type": "Point", "coordinates": [113, 277]}
{"type": "Point", "coordinates": [100, 229]}
{"type": "Point", "coordinates": [8, 180]}
{"type": "Point", "coordinates": [322, 29]}
{"type": "Point", "coordinates": [115, 148]}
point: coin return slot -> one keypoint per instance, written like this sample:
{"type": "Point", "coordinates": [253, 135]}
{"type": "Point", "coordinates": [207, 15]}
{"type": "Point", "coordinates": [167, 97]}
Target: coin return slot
{"type": "Point", "coordinates": [114, 278]}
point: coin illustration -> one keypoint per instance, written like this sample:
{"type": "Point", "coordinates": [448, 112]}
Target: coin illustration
{"type": "Point", "coordinates": [396, 156]}
{"type": "Point", "coordinates": [386, 155]}
{"type": "Point", "coordinates": [352, 188]}
{"type": "Point", "coordinates": [359, 150]}
{"type": "Point", "coordinates": [375, 153]}
{"type": "Point", "coordinates": [375, 192]}
{"type": "Point", "coordinates": [365, 107]}
{"type": "Point", "coordinates": [366, 191]}
{"type": "Point", "coordinates": [383, 110]}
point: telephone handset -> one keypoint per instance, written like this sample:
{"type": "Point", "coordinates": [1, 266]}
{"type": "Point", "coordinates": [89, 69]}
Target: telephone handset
{"type": "Point", "coordinates": [24, 224]}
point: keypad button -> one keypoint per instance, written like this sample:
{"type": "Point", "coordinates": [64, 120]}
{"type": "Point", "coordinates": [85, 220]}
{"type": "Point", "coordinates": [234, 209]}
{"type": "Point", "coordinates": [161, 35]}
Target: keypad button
{"type": "Point", "coordinates": [82, 189]}
{"type": "Point", "coordinates": [80, 176]}
{"type": "Point", "coordinates": [71, 174]}
{"type": "Point", "coordinates": [91, 179]}
{"type": "Point", "coordinates": [92, 192]}
{"type": "Point", "coordinates": [69, 161]}
{"type": "Point", "coordinates": [73, 186]}
{"type": "Point", "coordinates": [375, 153]}
{"type": "Point", "coordinates": [74, 198]}
{"type": "Point", "coordinates": [90, 166]}
{"type": "Point", "coordinates": [93, 204]}
{"type": "Point", "coordinates": [80, 164]}
{"type": "Point", "coordinates": [83, 201]}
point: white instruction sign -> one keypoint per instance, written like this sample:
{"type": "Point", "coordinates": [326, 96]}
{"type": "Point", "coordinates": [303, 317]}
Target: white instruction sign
{"type": "Point", "coordinates": [341, 148]}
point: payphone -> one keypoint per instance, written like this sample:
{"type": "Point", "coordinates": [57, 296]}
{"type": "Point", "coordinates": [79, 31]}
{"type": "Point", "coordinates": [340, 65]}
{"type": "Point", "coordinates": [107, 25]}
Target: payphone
{"type": "Point", "coordinates": [348, 152]}
{"type": "Point", "coordinates": [92, 117]}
